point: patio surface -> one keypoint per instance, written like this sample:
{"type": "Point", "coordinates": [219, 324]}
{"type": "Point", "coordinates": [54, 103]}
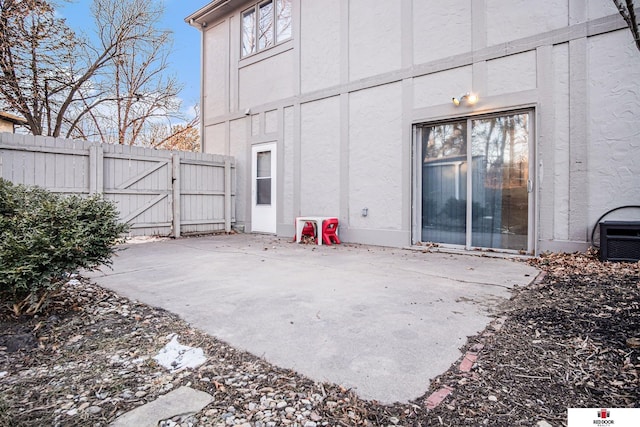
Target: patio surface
{"type": "Point", "coordinates": [383, 321]}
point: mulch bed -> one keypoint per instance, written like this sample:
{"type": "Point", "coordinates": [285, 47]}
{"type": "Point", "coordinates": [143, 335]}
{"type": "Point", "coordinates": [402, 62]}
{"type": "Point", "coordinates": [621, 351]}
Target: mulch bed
{"type": "Point", "coordinates": [569, 340]}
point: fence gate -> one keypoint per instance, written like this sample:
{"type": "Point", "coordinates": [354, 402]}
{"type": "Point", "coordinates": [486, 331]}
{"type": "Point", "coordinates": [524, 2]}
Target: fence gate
{"type": "Point", "coordinates": [157, 192]}
{"type": "Point", "coordinates": [141, 186]}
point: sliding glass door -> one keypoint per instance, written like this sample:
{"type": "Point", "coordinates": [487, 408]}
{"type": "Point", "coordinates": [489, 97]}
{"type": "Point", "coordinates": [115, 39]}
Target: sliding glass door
{"type": "Point", "coordinates": [474, 182]}
{"type": "Point", "coordinates": [444, 183]}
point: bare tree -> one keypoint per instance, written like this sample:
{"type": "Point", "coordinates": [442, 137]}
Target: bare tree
{"type": "Point", "coordinates": [113, 85]}
{"type": "Point", "coordinates": [627, 11]}
{"type": "Point", "coordinates": [135, 86]}
{"type": "Point", "coordinates": [182, 136]}
{"type": "Point", "coordinates": [32, 82]}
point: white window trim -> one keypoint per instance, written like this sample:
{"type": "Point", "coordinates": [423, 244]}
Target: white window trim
{"type": "Point", "coordinates": [256, 11]}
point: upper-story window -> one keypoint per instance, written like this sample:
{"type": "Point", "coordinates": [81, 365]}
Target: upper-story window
{"type": "Point", "coordinates": [265, 24]}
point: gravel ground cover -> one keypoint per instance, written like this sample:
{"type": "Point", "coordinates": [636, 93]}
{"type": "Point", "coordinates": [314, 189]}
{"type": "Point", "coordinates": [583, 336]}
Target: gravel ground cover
{"type": "Point", "coordinates": [569, 340]}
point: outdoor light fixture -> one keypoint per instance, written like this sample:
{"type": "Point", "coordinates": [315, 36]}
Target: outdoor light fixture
{"type": "Point", "coordinates": [470, 98]}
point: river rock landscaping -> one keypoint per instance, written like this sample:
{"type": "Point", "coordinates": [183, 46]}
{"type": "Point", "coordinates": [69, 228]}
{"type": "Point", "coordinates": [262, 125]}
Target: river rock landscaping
{"type": "Point", "coordinates": [571, 339]}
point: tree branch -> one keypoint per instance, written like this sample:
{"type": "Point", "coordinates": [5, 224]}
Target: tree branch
{"type": "Point", "coordinates": [627, 11]}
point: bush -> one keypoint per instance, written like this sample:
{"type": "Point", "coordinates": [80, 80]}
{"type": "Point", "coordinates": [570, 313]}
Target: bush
{"type": "Point", "coordinates": [46, 236]}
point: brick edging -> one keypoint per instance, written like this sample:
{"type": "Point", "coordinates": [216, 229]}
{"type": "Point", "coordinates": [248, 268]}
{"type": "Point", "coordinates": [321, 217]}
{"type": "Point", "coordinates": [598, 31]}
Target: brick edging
{"type": "Point", "coordinates": [466, 364]}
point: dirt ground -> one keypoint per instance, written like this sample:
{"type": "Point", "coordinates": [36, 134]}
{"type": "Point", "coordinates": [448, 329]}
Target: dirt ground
{"type": "Point", "coordinates": [570, 340]}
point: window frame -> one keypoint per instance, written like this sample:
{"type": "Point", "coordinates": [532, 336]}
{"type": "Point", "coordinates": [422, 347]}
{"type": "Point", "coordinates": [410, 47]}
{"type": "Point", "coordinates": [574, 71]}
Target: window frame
{"type": "Point", "coordinates": [532, 183]}
{"type": "Point", "coordinates": [275, 38]}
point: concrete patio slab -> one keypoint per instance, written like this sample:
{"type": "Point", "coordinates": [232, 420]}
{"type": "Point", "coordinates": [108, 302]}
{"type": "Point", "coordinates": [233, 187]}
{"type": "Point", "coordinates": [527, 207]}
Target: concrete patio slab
{"type": "Point", "coordinates": [383, 321]}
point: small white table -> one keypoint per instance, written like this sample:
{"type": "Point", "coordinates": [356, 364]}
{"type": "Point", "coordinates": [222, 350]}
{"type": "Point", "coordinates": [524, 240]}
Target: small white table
{"type": "Point", "coordinates": [317, 220]}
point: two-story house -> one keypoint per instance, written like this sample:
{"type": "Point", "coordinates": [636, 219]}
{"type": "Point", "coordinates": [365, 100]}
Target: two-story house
{"type": "Point", "coordinates": [503, 124]}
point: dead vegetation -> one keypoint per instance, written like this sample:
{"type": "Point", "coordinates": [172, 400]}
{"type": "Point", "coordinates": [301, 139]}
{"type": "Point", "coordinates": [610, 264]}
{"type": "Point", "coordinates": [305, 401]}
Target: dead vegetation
{"type": "Point", "coordinates": [569, 340]}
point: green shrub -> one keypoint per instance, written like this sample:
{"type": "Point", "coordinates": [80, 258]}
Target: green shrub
{"type": "Point", "coordinates": [45, 236]}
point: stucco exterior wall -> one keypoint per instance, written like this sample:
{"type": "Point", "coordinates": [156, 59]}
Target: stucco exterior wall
{"type": "Point", "coordinates": [614, 124]}
{"type": "Point", "coordinates": [266, 81]}
{"type": "Point", "coordinates": [320, 55]}
{"type": "Point", "coordinates": [215, 139]}
{"type": "Point", "coordinates": [375, 158]}
{"type": "Point", "coordinates": [216, 63]}
{"type": "Point", "coordinates": [598, 9]}
{"type": "Point", "coordinates": [446, 25]}
{"type": "Point", "coordinates": [509, 20]}
{"type": "Point", "coordinates": [512, 73]}
{"type": "Point", "coordinates": [341, 98]}
{"type": "Point", "coordinates": [239, 148]}
{"type": "Point", "coordinates": [430, 90]}
{"type": "Point", "coordinates": [288, 168]}
{"type": "Point", "coordinates": [319, 157]}
{"type": "Point", "coordinates": [374, 38]}
{"type": "Point", "coordinates": [559, 229]}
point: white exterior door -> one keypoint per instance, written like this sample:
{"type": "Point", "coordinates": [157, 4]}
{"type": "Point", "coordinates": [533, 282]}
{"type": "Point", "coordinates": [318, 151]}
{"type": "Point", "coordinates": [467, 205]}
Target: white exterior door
{"type": "Point", "coordinates": [263, 188]}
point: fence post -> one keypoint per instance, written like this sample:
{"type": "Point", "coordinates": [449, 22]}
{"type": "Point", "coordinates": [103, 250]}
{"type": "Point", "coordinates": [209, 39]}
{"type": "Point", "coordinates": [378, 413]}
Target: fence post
{"type": "Point", "coordinates": [175, 187]}
{"type": "Point", "coordinates": [227, 195]}
{"type": "Point", "coordinates": [96, 170]}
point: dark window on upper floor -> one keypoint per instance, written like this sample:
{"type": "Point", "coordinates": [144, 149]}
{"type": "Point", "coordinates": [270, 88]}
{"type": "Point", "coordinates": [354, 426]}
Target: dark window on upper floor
{"type": "Point", "coordinates": [265, 24]}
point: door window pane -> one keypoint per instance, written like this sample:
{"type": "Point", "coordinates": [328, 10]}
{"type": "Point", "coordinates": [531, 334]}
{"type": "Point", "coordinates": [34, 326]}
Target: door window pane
{"type": "Point", "coordinates": [263, 178]}
{"type": "Point", "coordinates": [248, 32]}
{"type": "Point", "coordinates": [444, 182]}
{"type": "Point", "coordinates": [283, 20]}
{"type": "Point", "coordinates": [500, 152]}
{"type": "Point", "coordinates": [264, 164]}
{"type": "Point", "coordinates": [263, 196]}
{"type": "Point", "coordinates": [265, 25]}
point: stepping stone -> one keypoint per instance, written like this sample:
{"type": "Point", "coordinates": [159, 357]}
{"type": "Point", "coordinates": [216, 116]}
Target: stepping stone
{"type": "Point", "coordinates": [183, 401]}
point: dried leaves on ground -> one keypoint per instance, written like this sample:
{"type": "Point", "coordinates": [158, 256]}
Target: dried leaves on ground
{"type": "Point", "coordinates": [569, 340]}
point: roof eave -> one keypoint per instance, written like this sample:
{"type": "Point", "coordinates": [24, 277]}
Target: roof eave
{"type": "Point", "coordinates": [213, 10]}
{"type": "Point", "coordinates": [8, 117]}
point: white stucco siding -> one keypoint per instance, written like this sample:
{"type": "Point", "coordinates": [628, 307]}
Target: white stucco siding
{"type": "Point", "coordinates": [271, 121]}
{"type": "Point", "coordinates": [598, 8]}
{"type": "Point", "coordinates": [440, 29]}
{"type": "Point", "coordinates": [216, 68]}
{"type": "Point", "coordinates": [508, 20]}
{"type": "Point", "coordinates": [320, 44]}
{"type": "Point", "coordinates": [267, 81]}
{"type": "Point", "coordinates": [375, 158]}
{"type": "Point", "coordinates": [374, 38]}
{"type": "Point", "coordinates": [513, 73]}
{"type": "Point", "coordinates": [216, 139]}
{"type": "Point", "coordinates": [320, 157]}
{"type": "Point", "coordinates": [614, 109]}
{"type": "Point", "coordinates": [560, 143]}
{"type": "Point", "coordinates": [255, 125]}
{"type": "Point", "coordinates": [439, 88]}
{"type": "Point", "coordinates": [287, 169]}
{"type": "Point", "coordinates": [238, 148]}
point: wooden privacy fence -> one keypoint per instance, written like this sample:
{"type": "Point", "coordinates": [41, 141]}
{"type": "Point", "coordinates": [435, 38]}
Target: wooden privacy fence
{"type": "Point", "coordinates": [157, 192]}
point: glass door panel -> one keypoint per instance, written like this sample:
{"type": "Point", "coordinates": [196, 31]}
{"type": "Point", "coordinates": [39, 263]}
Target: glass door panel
{"type": "Point", "coordinates": [500, 165]}
{"type": "Point", "coordinates": [263, 178]}
{"type": "Point", "coordinates": [444, 182]}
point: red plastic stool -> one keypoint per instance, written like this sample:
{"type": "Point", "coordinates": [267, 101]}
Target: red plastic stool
{"type": "Point", "coordinates": [330, 231]}
{"type": "Point", "coordinates": [309, 229]}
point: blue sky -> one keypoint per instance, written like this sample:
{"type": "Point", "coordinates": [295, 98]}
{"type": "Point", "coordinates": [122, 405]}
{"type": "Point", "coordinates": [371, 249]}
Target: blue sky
{"type": "Point", "coordinates": [185, 59]}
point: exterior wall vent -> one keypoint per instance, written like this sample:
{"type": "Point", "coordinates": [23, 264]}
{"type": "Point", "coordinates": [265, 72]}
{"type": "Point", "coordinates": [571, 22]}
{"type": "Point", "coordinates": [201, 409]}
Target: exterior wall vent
{"type": "Point", "coordinates": [620, 241]}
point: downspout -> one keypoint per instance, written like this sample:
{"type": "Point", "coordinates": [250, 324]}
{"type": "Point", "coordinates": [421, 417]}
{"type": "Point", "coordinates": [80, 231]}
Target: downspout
{"type": "Point", "coordinates": [201, 112]}
{"type": "Point", "coordinates": [201, 27]}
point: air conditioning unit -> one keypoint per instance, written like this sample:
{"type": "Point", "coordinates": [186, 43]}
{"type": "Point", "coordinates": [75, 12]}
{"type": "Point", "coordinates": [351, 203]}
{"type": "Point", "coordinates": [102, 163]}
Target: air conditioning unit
{"type": "Point", "coordinates": [620, 241]}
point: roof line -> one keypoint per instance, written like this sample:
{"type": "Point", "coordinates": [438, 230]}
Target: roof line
{"type": "Point", "coordinates": [13, 119]}
{"type": "Point", "coordinates": [204, 11]}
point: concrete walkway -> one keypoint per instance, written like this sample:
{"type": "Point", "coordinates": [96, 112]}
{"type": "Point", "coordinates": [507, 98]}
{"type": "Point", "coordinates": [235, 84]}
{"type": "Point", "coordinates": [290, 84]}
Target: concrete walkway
{"type": "Point", "coordinates": [382, 321]}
